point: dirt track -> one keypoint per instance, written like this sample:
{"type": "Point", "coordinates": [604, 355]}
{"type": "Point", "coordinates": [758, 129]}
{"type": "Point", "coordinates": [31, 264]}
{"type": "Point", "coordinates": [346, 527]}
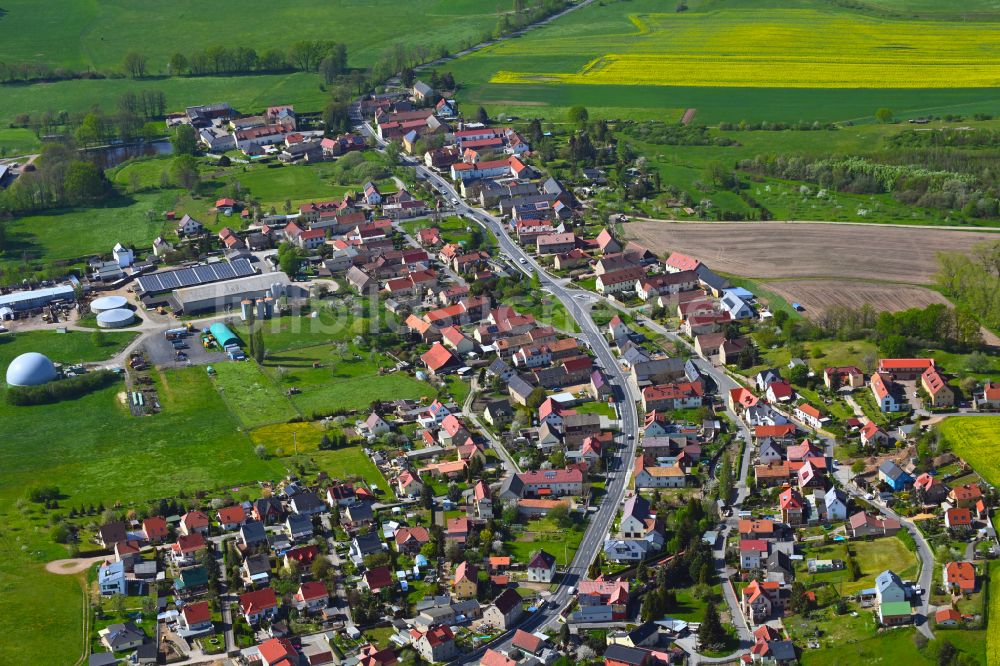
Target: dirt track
{"type": "Point", "coordinates": [73, 566]}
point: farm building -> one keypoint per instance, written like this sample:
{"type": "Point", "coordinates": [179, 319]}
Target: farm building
{"type": "Point", "coordinates": [154, 287]}
{"type": "Point", "coordinates": [36, 298]}
{"type": "Point", "coordinates": [230, 293]}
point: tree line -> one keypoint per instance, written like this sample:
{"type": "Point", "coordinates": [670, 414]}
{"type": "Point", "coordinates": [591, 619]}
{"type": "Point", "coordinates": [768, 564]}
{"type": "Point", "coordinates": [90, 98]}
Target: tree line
{"type": "Point", "coordinates": [65, 389]}
{"type": "Point", "coordinates": [323, 56]}
{"type": "Point", "coordinates": [945, 178]}
{"type": "Point", "coordinates": [973, 280]}
{"type": "Point", "coordinates": [896, 334]}
{"type": "Point", "coordinates": [304, 55]}
{"type": "Point", "coordinates": [133, 109]}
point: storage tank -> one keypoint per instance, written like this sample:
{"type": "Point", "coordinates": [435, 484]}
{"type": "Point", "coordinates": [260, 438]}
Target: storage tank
{"type": "Point", "coordinates": [105, 303]}
{"type": "Point", "coordinates": [269, 306]}
{"type": "Point", "coordinates": [277, 289]}
{"type": "Point", "coordinates": [246, 307]}
{"type": "Point", "coordinates": [115, 318]}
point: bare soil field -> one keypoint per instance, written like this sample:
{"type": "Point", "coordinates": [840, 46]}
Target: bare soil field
{"type": "Point", "coordinates": [817, 295]}
{"type": "Point", "coordinates": [762, 250]}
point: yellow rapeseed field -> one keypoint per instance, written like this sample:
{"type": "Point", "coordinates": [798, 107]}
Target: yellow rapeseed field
{"type": "Point", "coordinates": [785, 48]}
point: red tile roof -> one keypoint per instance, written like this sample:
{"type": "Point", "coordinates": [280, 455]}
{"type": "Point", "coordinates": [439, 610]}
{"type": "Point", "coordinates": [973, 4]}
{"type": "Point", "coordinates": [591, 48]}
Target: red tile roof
{"type": "Point", "coordinates": [197, 613]}
{"type": "Point", "coordinates": [378, 578]}
{"type": "Point", "coordinates": [278, 652]}
{"type": "Point", "coordinates": [437, 357]}
{"type": "Point", "coordinates": [682, 262]}
{"type": "Point", "coordinates": [311, 590]}
{"type": "Point", "coordinates": [232, 514]}
{"type": "Point", "coordinates": [189, 544]}
{"type": "Point", "coordinates": [195, 520]}
{"type": "Point", "coordinates": [962, 574]}
{"type": "Point", "coordinates": [155, 527]}
{"type": "Point", "coordinates": [258, 600]}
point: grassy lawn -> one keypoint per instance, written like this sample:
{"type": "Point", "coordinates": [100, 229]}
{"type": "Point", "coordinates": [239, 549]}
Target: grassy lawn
{"type": "Point", "coordinates": [993, 642]}
{"type": "Point", "coordinates": [689, 607]}
{"type": "Point", "coordinates": [194, 427]}
{"type": "Point", "coordinates": [380, 636]}
{"type": "Point", "coordinates": [300, 183]}
{"type": "Point", "coordinates": [545, 534]}
{"type": "Point", "coordinates": [329, 382]}
{"type": "Point", "coordinates": [70, 347]}
{"type": "Point", "coordinates": [893, 647]}
{"type": "Point", "coordinates": [286, 439]}
{"type": "Point", "coordinates": [834, 629]}
{"type": "Point", "coordinates": [73, 233]}
{"type": "Point", "coordinates": [819, 354]}
{"type": "Point", "coordinates": [602, 408]}
{"type": "Point", "coordinates": [873, 557]}
{"type": "Point", "coordinates": [459, 388]}
{"type": "Point", "coordinates": [974, 438]}
{"type": "Point", "coordinates": [546, 309]}
{"type": "Point", "coordinates": [18, 141]}
{"type": "Point", "coordinates": [251, 395]}
{"type": "Point", "coordinates": [453, 229]}
{"type": "Point", "coordinates": [333, 323]}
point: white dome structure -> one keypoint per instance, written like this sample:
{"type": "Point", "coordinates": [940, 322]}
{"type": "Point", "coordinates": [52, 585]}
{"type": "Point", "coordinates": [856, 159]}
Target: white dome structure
{"type": "Point", "coordinates": [30, 369]}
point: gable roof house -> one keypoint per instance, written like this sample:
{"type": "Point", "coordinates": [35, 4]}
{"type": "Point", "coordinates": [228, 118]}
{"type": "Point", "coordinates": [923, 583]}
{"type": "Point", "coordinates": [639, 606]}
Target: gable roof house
{"type": "Point", "coordinates": [541, 567]}
{"type": "Point", "coordinates": [863, 524]}
{"type": "Point", "coordinates": [440, 360]}
{"type": "Point", "coordinates": [259, 605]}
{"type": "Point", "coordinates": [505, 611]}
{"type": "Point", "coordinates": [960, 577]}
{"type": "Point", "coordinates": [893, 476]}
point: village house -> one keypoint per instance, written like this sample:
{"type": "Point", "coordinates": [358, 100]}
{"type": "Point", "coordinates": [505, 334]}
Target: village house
{"type": "Point", "coordinates": [505, 611]}
{"type": "Point", "coordinates": [844, 376]}
{"type": "Point", "coordinates": [541, 567]}
{"type": "Point", "coordinates": [939, 394]}
{"type": "Point", "coordinates": [959, 577]}
{"type": "Point", "coordinates": [619, 281]}
{"type": "Point", "coordinates": [259, 605]}
{"type": "Point", "coordinates": [862, 525]}
{"type": "Point", "coordinates": [437, 644]}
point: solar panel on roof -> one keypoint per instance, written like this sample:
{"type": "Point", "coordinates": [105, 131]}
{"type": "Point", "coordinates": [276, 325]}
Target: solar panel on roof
{"type": "Point", "coordinates": [189, 277]}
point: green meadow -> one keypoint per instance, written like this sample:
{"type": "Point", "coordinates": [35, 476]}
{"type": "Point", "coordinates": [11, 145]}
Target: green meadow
{"type": "Point", "coordinates": [90, 34]}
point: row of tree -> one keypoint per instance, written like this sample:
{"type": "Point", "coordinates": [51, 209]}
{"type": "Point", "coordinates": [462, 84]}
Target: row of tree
{"type": "Point", "coordinates": [65, 389]}
{"type": "Point", "coordinates": [304, 56]}
{"type": "Point", "coordinates": [973, 280]}
{"type": "Point", "coordinates": [133, 110]}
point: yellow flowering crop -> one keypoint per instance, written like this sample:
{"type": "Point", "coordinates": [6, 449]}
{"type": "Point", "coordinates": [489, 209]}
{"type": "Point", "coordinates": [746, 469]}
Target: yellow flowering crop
{"type": "Point", "coordinates": [784, 49]}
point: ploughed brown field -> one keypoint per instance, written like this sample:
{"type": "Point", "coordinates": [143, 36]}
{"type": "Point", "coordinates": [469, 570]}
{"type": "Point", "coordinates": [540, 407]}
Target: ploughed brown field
{"type": "Point", "coordinates": [847, 264]}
